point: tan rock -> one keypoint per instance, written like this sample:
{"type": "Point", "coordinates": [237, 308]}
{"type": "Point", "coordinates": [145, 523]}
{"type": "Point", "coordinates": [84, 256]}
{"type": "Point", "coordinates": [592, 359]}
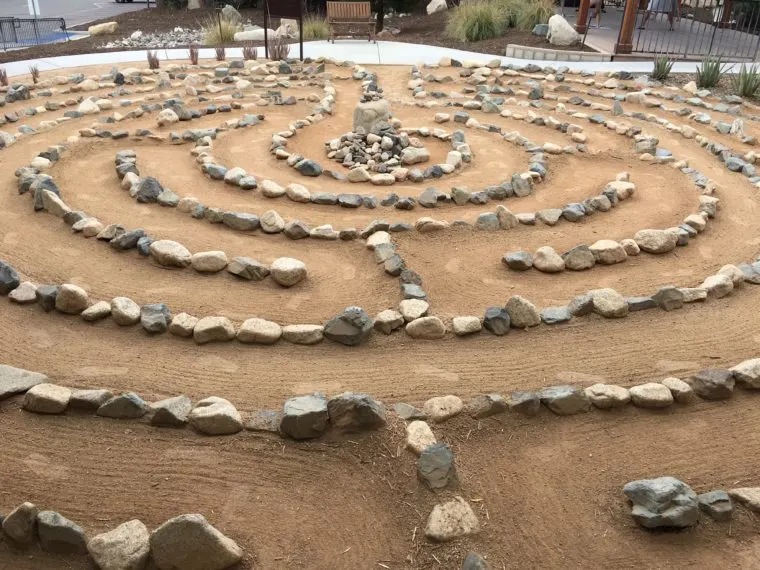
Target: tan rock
{"type": "Point", "coordinates": [419, 436]}
{"type": "Point", "coordinates": [606, 396]}
{"type": "Point", "coordinates": [211, 329]}
{"type": "Point", "coordinates": [651, 395]}
{"type": "Point", "coordinates": [259, 331]}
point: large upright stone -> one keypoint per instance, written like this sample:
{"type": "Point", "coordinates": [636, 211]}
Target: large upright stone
{"type": "Point", "coordinates": [304, 417]}
{"type": "Point", "coordinates": [371, 116]}
{"type": "Point", "coordinates": [124, 548]}
{"type": "Point", "coordinates": [351, 327]}
{"type": "Point", "coordinates": [662, 502]}
{"type": "Point", "coordinates": [351, 412]}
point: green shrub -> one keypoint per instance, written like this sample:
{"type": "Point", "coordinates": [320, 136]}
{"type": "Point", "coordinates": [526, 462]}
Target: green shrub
{"type": "Point", "coordinates": [662, 66]}
{"type": "Point", "coordinates": [476, 21]}
{"type": "Point", "coordinates": [315, 28]}
{"type": "Point", "coordinates": [218, 31]}
{"type": "Point", "coordinates": [709, 74]}
{"type": "Point", "coordinates": [747, 81]}
{"type": "Point", "coordinates": [528, 13]}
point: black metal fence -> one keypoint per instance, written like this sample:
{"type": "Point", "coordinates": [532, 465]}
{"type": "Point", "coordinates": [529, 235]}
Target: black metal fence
{"type": "Point", "coordinates": [25, 32]}
{"type": "Point", "coordinates": [695, 28]}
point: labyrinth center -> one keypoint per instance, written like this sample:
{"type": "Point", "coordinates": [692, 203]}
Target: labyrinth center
{"type": "Point", "coordinates": [261, 230]}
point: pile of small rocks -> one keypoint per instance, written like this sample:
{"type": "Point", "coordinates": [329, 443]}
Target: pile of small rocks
{"type": "Point", "coordinates": [186, 541]}
{"type": "Point", "coordinates": [178, 37]}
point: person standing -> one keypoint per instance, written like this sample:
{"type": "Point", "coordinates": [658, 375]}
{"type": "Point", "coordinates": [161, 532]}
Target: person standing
{"type": "Point", "coordinates": [659, 7]}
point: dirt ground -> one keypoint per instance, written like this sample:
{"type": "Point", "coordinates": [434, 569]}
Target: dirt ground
{"type": "Point", "coordinates": [547, 490]}
{"type": "Point", "coordinates": [415, 28]}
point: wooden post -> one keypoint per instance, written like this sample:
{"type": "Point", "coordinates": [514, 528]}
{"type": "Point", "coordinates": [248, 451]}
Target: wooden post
{"type": "Point", "coordinates": [625, 38]}
{"type": "Point", "coordinates": [725, 17]}
{"type": "Point", "coordinates": [582, 19]}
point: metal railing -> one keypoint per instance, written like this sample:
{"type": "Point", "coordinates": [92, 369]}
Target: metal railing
{"type": "Point", "coordinates": [25, 32]}
{"type": "Point", "coordinates": [695, 28]}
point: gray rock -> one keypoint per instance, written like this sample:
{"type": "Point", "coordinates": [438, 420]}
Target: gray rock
{"type": "Point", "coordinates": [581, 305]}
{"type": "Point", "coordinates": [662, 502]}
{"type": "Point", "coordinates": [716, 504]}
{"type": "Point", "coordinates": [89, 400]}
{"type": "Point", "coordinates": [296, 229]}
{"type": "Point", "coordinates": [473, 561]}
{"type": "Point", "coordinates": [669, 298]}
{"type": "Point", "coordinates": [351, 412]}
{"type": "Point", "coordinates": [412, 291]}
{"type": "Point", "coordinates": [59, 534]}
{"type": "Point", "coordinates": [155, 318]}
{"type": "Point", "coordinates": [16, 380]}
{"type": "Point", "coordinates": [308, 168]}
{"type": "Point", "coordinates": [640, 303]}
{"type": "Point", "coordinates": [46, 295]}
{"type": "Point", "coordinates": [264, 420]}
{"type": "Point", "coordinates": [408, 412]}
{"type": "Point", "coordinates": [350, 327]}
{"type": "Point", "coordinates": [148, 190]}
{"type": "Point", "coordinates": [124, 548]}
{"type": "Point", "coordinates": [496, 321]}
{"type": "Point", "coordinates": [579, 258]}
{"type": "Point", "coordinates": [304, 417]}
{"type": "Point", "coordinates": [487, 405]}
{"type": "Point", "coordinates": [526, 403]}
{"type": "Point", "coordinates": [21, 524]}
{"type": "Point", "coordinates": [435, 466]}
{"type": "Point", "coordinates": [565, 400]}
{"type": "Point", "coordinates": [555, 315]}
{"type": "Point", "coordinates": [241, 221]}
{"type": "Point", "coordinates": [713, 383]}
{"type": "Point", "coordinates": [518, 260]}
{"type": "Point", "coordinates": [247, 268]}
{"type": "Point", "coordinates": [189, 542]}
{"type": "Point", "coordinates": [125, 406]}
{"type": "Point", "coordinates": [9, 279]}
{"type": "Point", "coordinates": [171, 412]}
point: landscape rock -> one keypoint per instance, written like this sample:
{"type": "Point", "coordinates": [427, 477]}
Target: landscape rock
{"type": "Point", "coordinates": [428, 328]}
{"type": "Point", "coordinates": [565, 400]}
{"type": "Point", "coordinates": [442, 408]}
{"type": "Point", "coordinates": [259, 331]}
{"type": "Point", "coordinates": [170, 253]}
{"type": "Point", "coordinates": [607, 396]}
{"type": "Point", "coordinates": [716, 504]}
{"type": "Point", "coordinates": [89, 400]}
{"type": "Point", "coordinates": [662, 502]}
{"type": "Point", "coordinates": [452, 519]}
{"type": "Point", "coordinates": [213, 329]}
{"type": "Point", "coordinates": [561, 33]}
{"type": "Point", "coordinates": [17, 380]}
{"type": "Point", "coordinates": [215, 416]}
{"type": "Point", "coordinates": [350, 327]}
{"type": "Point", "coordinates": [71, 299]}
{"type": "Point", "coordinates": [124, 548]}
{"type": "Point", "coordinates": [209, 261]}
{"type": "Point", "coordinates": [496, 321]}
{"type": "Point", "coordinates": [547, 260]}
{"type": "Point", "coordinates": [287, 271]}
{"type": "Point", "coordinates": [747, 373]}
{"type": "Point", "coordinates": [747, 496]}
{"type": "Point", "coordinates": [21, 524]}
{"type": "Point", "coordinates": [463, 326]}
{"type": "Point", "coordinates": [435, 466]}
{"type": "Point", "coordinates": [171, 412]}
{"type": "Point", "coordinates": [47, 399]}
{"type": "Point", "coordinates": [189, 542]}
{"type": "Point", "coordinates": [525, 403]}
{"type": "Point", "coordinates": [388, 320]}
{"type": "Point", "coordinates": [656, 241]}
{"type": "Point", "coordinates": [651, 395]}
{"type": "Point", "coordinates": [522, 313]}
{"type": "Point", "coordinates": [486, 405]}
{"type": "Point", "coordinates": [681, 391]}
{"type": "Point", "coordinates": [351, 412]}
{"type": "Point", "coordinates": [183, 325]}
{"type": "Point", "coordinates": [125, 406]}
{"type": "Point", "coordinates": [713, 383]}
{"type": "Point", "coordinates": [304, 417]}
{"type": "Point", "coordinates": [303, 334]}
{"type": "Point", "coordinates": [59, 534]}
{"type": "Point", "coordinates": [608, 252]}
{"type": "Point", "coordinates": [9, 279]}
{"type": "Point", "coordinates": [609, 303]}
{"type": "Point", "coordinates": [125, 311]}
{"type": "Point", "coordinates": [419, 436]}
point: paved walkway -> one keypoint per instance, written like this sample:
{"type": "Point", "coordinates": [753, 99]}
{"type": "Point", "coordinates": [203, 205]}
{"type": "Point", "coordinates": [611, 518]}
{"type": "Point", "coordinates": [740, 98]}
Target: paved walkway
{"type": "Point", "coordinates": [362, 52]}
{"type": "Point", "coordinates": [75, 12]}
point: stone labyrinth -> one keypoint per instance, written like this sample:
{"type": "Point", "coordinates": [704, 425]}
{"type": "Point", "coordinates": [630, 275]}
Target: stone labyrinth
{"type": "Point", "coordinates": [289, 203]}
{"type": "Point", "coordinates": [430, 199]}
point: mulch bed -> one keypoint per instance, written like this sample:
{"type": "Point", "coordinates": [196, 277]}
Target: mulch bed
{"type": "Point", "coordinates": [416, 29]}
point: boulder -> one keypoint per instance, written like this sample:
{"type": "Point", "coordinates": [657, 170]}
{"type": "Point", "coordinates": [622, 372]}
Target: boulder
{"type": "Point", "coordinates": [442, 408]}
{"type": "Point", "coordinates": [713, 384]}
{"type": "Point", "coordinates": [452, 519]}
{"type": "Point", "coordinates": [351, 412]}
{"type": "Point", "coordinates": [419, 436]}
{"type": "Point", "coordinates": [606, 396]}
{"type": "Point", "coordinates": [47, 399]}
{"type": "Point", "coordinates": [213, 329]}
{"type": "Point", "coordinates": [436, 6]}
{"type": "Point", "coordinates": [59, 534]}
{"type": "Point", "coordinates": [350, 327]}
{"type": "Point", "coordinates": [565, 400]}
{"type": "Point", "coordinates": [171, 412]}
{"type": "Point", "coordinates": [304, 417]}
{"type": "Point", "coordinates": [215, 416]}
{"type": "Point", "coordinates": [230, 14]}
{"type": "Point", "coordinates": [651, 395]}
{"type": "Point", "coordinates": [435, 466]}
{"type": "Point", "coordinates": [561, 33]}
{"type": "Point", "coordinates": [371, 115]}
{"type": "Point", "coordinates": [21, 524]}
{"type": "Point", "coordinates": [124, 548]}
{"type": "Point", "coordinates": [287, 271]}
{"type": "Point", "coordinates": [662, 502]}
{"type": "Point", "coordinates": [189, 542]}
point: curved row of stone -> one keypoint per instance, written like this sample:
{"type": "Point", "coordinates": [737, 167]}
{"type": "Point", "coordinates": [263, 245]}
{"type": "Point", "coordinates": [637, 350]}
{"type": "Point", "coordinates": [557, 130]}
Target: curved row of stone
{"type": "Point", "coordinates": [186, 541]}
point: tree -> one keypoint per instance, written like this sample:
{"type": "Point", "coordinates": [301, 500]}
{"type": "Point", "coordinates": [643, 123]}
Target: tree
{"type": "Point", "coordinates": [380, 7]}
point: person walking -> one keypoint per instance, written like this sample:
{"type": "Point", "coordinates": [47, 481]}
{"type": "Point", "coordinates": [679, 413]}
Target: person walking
{"type": "Point", "coordinates": [659, 7]}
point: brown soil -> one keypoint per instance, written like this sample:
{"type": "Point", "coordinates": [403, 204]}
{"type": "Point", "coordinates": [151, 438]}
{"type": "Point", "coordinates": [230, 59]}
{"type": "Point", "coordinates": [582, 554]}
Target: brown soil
{"type": "Point", "coordinates": [415, 29]}
{"type": "Point", "coordinates": [547, 490]}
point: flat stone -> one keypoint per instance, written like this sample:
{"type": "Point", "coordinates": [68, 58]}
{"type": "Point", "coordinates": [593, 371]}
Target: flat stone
{"type": "Point", "coordinates": [419, 436]}
{"type": "Point", "coordinates": [171, 412]}
{"type": "Point", "coordinates": [304, 417]}
{"type": "Point", "coordinates": [435, 466]}
{"type": "Point", "coordinates": [47, 399]}
{"type": "Point", "coordinates": [191, 543]}
{"type": "Point", "coordinates": [215, 416]}
{"type": "Point", "coordinates": [713, 384]}
{"type": "Point", "coordinates": [264, 421]}
{"type": "Point", "coordinates": [213, 329]}
{"type": "Point", "coordinates": [555, 315]}
{"type": "Point", "coordinates": [651, 395]}
{"type": "Point", "coordinates": [565, 400]}
{"type": "Point", "coordinates": [747, 496]}
{"type": "Point", "coordinates": [16, 380]}
{"type": "Point", "coordinates": [607, 396]}
{"type": "Point", "coordinates": [124, 548]}
{"type": "Point", "coordinates": [452, 519]}
{"type": "Point", "coordinates": [24, 294]}
{"type": "Point", "coordinates": [248, 269]}
{"type": "Point", "coordinates": [350, 413]}
{"type": "Point", "coordinates": [59, 534]}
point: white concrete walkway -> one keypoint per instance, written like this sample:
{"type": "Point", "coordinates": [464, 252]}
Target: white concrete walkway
{"type": "Point", "coordinates": [362, 52]}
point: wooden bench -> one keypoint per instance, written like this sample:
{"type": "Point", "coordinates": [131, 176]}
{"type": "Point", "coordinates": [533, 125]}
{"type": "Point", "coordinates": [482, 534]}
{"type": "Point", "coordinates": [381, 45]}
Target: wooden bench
{"type": "Point", "coordinates": [350, 13]}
